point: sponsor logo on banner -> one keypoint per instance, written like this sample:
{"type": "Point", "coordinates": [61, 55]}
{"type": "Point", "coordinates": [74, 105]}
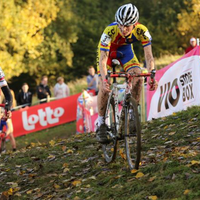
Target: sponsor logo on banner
{"type": "Point", "coordinates": [44, 117]}
{"type": "Point", "coordinates": [170, 92]}
{"type": "Point", "coordinates": [178, 88]}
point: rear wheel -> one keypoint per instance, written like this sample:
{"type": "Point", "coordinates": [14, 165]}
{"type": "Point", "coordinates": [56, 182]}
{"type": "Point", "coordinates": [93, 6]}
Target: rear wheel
{"type": "Point", "coordinates": [110, 149]}
{"type": "Point", "coordinates": [132, 135]}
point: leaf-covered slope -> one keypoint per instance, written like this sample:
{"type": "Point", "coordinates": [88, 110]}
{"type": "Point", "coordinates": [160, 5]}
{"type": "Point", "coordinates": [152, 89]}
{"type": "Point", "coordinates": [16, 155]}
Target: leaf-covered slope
{"type": "Point", "coordinates": [75, 169]}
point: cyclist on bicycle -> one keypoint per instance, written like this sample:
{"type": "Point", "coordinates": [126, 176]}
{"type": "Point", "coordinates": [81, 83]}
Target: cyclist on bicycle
{"type": "Point", "coordinates": [6, 91]}
{"type": "Point", "coordinates": [116, 43]}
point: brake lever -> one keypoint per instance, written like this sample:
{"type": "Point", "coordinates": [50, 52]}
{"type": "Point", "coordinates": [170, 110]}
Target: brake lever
{"type": "Point", "coordinates": [153, 73]}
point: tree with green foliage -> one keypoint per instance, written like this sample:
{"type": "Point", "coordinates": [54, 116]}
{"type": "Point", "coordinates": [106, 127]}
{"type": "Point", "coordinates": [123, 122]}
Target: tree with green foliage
{"type": "Point", "coordinates": [189, 21]}
{"type": "Point", "coordinates": [60, 37]}
{"type": "Point", "coordinates": [22, 30]}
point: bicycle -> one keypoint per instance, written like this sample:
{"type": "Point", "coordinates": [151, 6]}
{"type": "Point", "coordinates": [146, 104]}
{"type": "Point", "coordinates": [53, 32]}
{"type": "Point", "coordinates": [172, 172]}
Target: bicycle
{"type": "Point", "coordinates": [2, 133]}
{"type": "Point", "coordinates": [118, 123]}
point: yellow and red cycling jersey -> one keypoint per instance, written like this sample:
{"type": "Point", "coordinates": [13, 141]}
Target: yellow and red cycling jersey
{"type": "Point", "coordinates": [121, 47]}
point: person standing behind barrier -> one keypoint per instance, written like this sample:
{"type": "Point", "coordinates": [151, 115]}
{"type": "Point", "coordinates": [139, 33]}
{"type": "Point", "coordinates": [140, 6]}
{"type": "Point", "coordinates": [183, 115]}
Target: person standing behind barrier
{"type": "Point", "coordinates": [61, 90]}
{"type": "Point", "coordinates": [92, 80]}
{"type": "Point", "coordinates": [24, 97]}
{"type": "Point", "coordinates": [43, 91]}
{"type": "Point", "coordinates": [193, 44]}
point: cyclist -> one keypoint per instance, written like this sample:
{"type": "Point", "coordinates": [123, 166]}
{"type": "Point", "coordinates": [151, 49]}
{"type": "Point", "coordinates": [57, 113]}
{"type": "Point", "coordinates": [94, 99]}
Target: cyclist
{"type": "Point", "coordinates": [6, 91]}
{"type": "Point", "coordinates": [6, 127]}
{"type": "Point", "coordinates": [116, 43]}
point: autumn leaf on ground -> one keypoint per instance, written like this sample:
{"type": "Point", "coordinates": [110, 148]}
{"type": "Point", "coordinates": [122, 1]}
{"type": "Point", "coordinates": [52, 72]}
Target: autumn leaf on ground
{"type": "Point", "coordinates": [139, 175]}
{"type": "Point", "coordinates": [65, 165]}
{"type": "Point", "coordinates": [56, 186]}
{"type": "Point", "coordinates": [33, 144]}
{"type": "Point", "coordinates": [52, 143]}
{"type": "Point", "coordinates": [186, 192]}
{"type": "Point", "coordinates": [76, 198]}
{"type": "Point", "coordinates": [10, 192]}
{"type": "Point", "coordinates": [152, 179]}
{"type": "Point", "coordinates": [133, 171]}
{"type": "Point", "coordinates": [92, 178]}
{"type": "Point", "coordinates": [165, 127]}
{"type": "Point", "coordinates": [195, 162]}
{"type": "Point", "coordinates": [172, 133]}
{"type": "Point", "coordinates": [122, 154]}
{"type": "Point", "coordinates": [79, 135]}
{"type": "Point", "coordinates": [4, 195]}
{"type": "Point", "coordinates": [66, 170]}
{"type": "Point", "coordinates": [29, 192]}
{"type": "Point", "coordinates": [51, 157]}
{"type": "Point", "coordinates": [64, 148]}
{"type": "Point", "coordinates": [76, 183]}
{"type": "Point", "coordinates": [70, 151]}
{"type": "Point", "coordinates": [12, 184]}
{"type": "Point", "coordinates": [153, 197]}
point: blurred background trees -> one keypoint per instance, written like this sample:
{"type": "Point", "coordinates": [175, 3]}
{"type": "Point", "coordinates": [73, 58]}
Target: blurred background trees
{"type": "Point", "coordinates": [60, 37]}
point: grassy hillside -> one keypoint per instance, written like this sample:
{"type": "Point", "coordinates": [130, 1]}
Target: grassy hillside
{"type": "Point", "coordinates": [73, 167]}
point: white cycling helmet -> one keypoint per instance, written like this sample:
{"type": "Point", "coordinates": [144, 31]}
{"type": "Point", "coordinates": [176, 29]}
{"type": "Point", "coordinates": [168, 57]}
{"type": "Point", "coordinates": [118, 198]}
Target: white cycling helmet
{"type": "Point", "coordinates": [127, 15]}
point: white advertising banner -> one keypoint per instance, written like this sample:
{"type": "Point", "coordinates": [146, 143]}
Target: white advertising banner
{"type": "Point", "coordinates": [178, 87]}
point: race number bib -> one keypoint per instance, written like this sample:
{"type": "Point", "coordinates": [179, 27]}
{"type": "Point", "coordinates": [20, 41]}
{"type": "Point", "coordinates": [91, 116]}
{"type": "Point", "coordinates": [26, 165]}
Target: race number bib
{"type": "Point", "coordinates": [147, 34]}
{"type": "Point", "coordinates": [105, 39]}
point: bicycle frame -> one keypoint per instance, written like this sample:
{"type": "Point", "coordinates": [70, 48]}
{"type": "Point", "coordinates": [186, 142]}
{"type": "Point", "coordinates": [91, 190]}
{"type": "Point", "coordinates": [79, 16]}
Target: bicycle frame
{"type": "Point", "coordinates": [127, 87]}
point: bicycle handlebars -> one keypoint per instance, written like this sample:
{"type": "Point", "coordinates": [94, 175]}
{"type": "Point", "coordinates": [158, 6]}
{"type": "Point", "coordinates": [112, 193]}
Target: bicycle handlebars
{"type": "Point", "coordinates": [127, 75]}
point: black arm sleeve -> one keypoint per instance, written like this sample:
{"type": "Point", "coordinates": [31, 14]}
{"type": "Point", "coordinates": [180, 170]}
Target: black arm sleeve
{"type": "Point", "coordinates": [8, 97]}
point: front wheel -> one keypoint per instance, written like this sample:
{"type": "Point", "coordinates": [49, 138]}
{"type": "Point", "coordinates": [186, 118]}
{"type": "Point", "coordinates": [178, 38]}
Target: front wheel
{"type": "Point", "coordinates": [132, 131]}
{"type": "Point", "coordinates": [110, 149]}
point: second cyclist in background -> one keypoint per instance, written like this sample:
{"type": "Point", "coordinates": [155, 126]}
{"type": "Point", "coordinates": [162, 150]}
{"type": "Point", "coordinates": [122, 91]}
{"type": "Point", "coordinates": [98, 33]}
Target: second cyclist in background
{"type": "Point", "coordinates": [7, 94]}
{"type": "Point", "coordinates": [117, 43]}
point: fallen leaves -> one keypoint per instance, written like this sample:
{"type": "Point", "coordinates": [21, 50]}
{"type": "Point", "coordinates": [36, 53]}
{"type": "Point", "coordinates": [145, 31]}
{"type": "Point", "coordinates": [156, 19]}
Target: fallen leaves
{"type": "Point", "coordinates": [122, 154]}
{"type": "Point", "coordinates": [133, 171]}
{"type": "Point", "coordinates": [139, 175]}
{"type": "Point", "coordinates": [51, 157]}
{"type": "Point", "coordinates": [70, 151]}
{"type": "Point", "coordinates": [153, 197]}
{"type": "Point", "coordinates": [76, 183]}
{"type": "Point", "coordinates": [152, 179]}
{"type": "Point", "coordinates": [56, 186]}
{"type": "Point", "coordinates": [186, 192]}
{"type": "Point", "coordinates": [75, 169]}
{"type": "Point", "coordinates": [195, 162]}
{"type": "Point", "coordinates": [52, 143]}
{"type": "Point", "coordinates": [172, 133]}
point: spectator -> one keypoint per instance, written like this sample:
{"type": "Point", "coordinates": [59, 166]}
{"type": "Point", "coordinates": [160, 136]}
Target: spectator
{"type": "Point", "coordinates": [92, 80]}
{"type": "Point", "coordinates": [24, 96]}
{"type": "Point", "coordinates": [61, 90]}
{"type": "Point", "coordinates": [193, 44]}
{"type": "Point", "coordinates": [43, 91]}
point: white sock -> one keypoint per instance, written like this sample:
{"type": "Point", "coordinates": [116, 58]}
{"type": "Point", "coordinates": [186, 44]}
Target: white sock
{"type": "Point", "coordinates": [100, 120]}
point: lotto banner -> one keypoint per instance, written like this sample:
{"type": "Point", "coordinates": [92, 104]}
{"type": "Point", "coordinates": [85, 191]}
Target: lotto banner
{"type": "Point", "coordinates": [178, 86]}
{"type": "Point", "coordinates": [46, 115]}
